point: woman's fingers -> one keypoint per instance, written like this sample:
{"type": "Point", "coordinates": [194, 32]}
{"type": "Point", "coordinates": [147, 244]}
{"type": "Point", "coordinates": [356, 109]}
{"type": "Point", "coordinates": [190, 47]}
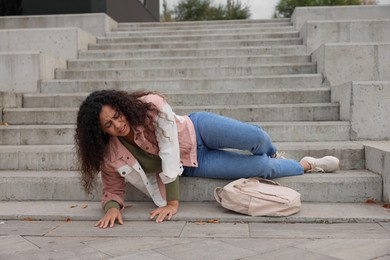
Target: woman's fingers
{"type": "Point", "coordinates": [108, 220]}
{"type": "Point", "coordinates": [161, 214]}
{"type": "Point", "coordinates": [120, 219]}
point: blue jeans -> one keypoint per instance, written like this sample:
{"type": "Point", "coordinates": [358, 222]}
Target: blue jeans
{"type": "Point", "coordinates": [215, 132]}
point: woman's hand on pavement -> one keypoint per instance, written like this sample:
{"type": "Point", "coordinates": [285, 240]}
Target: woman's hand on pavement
{"type": "Point", "coordinates": [165, 212]}
{"type": "Point", "coordinates": [108, 220]}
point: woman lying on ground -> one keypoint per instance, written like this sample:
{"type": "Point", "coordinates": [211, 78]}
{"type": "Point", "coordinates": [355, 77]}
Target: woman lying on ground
{"type": "Point", "coordinates": [136, 137]}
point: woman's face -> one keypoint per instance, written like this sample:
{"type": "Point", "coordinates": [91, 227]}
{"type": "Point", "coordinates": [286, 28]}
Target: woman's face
{"type": "Point", "coordinates": [113, 122]}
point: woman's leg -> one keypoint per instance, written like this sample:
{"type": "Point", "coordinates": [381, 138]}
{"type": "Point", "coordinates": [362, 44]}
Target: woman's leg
{"type": "Point", "coordinates": [230, 165]}
{"type": "Point", "coordinates": [215, 132]}
{"type": "Point", "coordinates": [219, 132]}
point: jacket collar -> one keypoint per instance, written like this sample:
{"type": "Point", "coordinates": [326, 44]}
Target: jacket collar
{"type": "Point", "coordinates": [116, 149]}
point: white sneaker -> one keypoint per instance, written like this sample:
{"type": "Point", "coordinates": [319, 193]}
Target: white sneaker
{"type": "Point", "coordinates": [324, 164]}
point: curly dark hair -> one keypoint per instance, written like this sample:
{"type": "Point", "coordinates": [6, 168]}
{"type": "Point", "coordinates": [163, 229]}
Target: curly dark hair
{"type": "Point", "coordinates": [90, 140]}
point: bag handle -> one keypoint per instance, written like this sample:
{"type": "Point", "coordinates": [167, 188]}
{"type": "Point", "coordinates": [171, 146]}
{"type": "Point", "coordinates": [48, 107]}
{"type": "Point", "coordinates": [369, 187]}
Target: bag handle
{"type": "Point", "coordinates": [266, 181]}
{"type": "Point", "coordinates": [217, 194]}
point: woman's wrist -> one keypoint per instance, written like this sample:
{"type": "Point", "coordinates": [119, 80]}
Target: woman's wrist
{"type": "Point", "coordinates": [111, 204]}
{"type": "Point", "coordinates": [173, 203]}
{"type": "Point", "coordinates": [173, 190]}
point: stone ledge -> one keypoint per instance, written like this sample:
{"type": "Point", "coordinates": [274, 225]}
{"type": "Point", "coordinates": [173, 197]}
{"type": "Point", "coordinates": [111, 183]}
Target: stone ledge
{"type": "Point", "coordinates": [96, 24]}
{"type": "Point", "coordinates": [61, 42]}
{"type": "Point", "coordinates": [303, 14]}
{"type": "Point", "coordinates": [315, 33]}
{"type": "Point", "coordinates": [377, 156]}
{"type": "Point", "coordinates": [344, 62]}
{"type": "Point", "coordinates": [365, 104]}
{"type": "Point", "coordinates": [10, 100]}
{"type": "Point", "coordinates": [21, 71]}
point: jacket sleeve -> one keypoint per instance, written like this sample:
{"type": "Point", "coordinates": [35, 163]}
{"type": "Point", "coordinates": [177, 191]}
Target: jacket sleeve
{"type": "Point", "coordinates": [168, 142]}
{"type": "Point", "coordinates": [114, 187]}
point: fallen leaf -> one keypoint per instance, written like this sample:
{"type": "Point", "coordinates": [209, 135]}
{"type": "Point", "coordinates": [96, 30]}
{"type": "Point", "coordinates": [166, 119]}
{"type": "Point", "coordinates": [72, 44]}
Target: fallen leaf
{"type": "Point", "coordinates": [84, 206]}
{"type": "Point", "coordinates": [370, 201]}
{"type": "Point", "coordinates": [4, 123]}
{"type": "Point", "coordinates": [214, 221]}
{"type": "Point", "coordinates": [386, 206]}
{"type": "Point", "coordinates": [28, 219]}
{"type": "Point", "coordinates": [72, 206]}
{"type": "Point", "coordinates": [68, 220]}
{"type": "Point", "coordinates": [199, 223]}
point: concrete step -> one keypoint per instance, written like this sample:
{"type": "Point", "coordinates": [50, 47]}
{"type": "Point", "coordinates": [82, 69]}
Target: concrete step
{"type": "Point", "coordinates": [342, 186]}
{"type": "Point", "coordinates": [204, 34]}
{"type": "Point", "coordinates": [250, 113]}
{"type": "Point", "coordinates": [207, 24]}
{"type": "Point", "coordinates": [37, 134]}
{"type": "Point", "coordinates": [279, 132]}
{"type": "Point", "coordinates": [186, 61]}
{"type": "Point", "coordinates": [125, 44]}
{"type": "Point", "coordinates": [272, 82]}
{"type": "Point", "coordinates": [62, 157]}
{"type": "Point", "coordinates": [194, 52]}
{"type": "Point", "coordinates": [120, 31]}
{"type": "Point", "coordinates": [179, 72]}
{"type": "Point", "coordinates": [272, 113]}
{"type": "Point", "coordinates": [198, 212]}
{"type": "Point", "coordinates": [129, 38]}
{"type": "Point", "coordinates": [196, 98]}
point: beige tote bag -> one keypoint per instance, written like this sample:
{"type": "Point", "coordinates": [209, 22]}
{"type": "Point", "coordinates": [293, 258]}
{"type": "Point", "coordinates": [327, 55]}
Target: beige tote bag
{"type": "Point", "coordinates": [258, 197]}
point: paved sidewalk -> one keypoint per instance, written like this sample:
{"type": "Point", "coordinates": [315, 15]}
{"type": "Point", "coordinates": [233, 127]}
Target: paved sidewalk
{"type": "Point", "coordinates": [193, 240]}
{"type": "Point", "coordinates": [65, 230]}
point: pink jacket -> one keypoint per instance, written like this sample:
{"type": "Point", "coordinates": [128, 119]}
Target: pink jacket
{"type": "Point", "coordinates": [174, 141]}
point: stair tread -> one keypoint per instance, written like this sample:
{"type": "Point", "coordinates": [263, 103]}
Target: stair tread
{"type": "Point", "coordinates": [280, 145]}
{"type": "Point", "coordinates": [131, 36]}
{"type": "Point", "coordinates": [357, 186]}
{"type": "Point", "coordinates": [311, 212]}
{"type": "Point", "coordinates": [198, 49]}
{"type": "Point", "coordinates": [280, 123]}
{"type": "Point", "coordinates": [188, 67]}
{"type": "Point", "coordinates": [70, 109]}
{"type": "Point", "coordinates": [314, 75]}
{"type": "Point", "coordinates": [197, 31]}
{"type": "Point", "coordinates": [191, 92]}
{"type": "Point", "coordinates": [308, 177]}
{"type": "Point", "coordinates": [183, 58]}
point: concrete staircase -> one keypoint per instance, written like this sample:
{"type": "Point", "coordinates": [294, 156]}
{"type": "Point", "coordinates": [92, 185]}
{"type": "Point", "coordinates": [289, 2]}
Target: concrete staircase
{"type": "Point", "coordinates": [254, 71]}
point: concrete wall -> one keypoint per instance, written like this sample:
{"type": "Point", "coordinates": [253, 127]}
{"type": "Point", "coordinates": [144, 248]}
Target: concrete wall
{"type": "Point", "coordinates": [377, 156]}
{"type": "Point", "coordinates": [303, 14]}
{"type": "Point", "coordinates": [21, 71]}
{"type": "Point", "coordinates": [366, 105]}
{"type": "Point", "coordinates": [95, 24]}
{"type": "Point", "coordinates": [315, 33]}
{"type": "Point", "coordinates": [62, 42]}
{"type": "Point", "coordinates": [344, 62]}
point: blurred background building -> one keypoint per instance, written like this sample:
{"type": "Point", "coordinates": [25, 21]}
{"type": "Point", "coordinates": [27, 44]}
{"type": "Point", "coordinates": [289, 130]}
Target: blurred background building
{"type": "Point", "coordinates": [119, 10]}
